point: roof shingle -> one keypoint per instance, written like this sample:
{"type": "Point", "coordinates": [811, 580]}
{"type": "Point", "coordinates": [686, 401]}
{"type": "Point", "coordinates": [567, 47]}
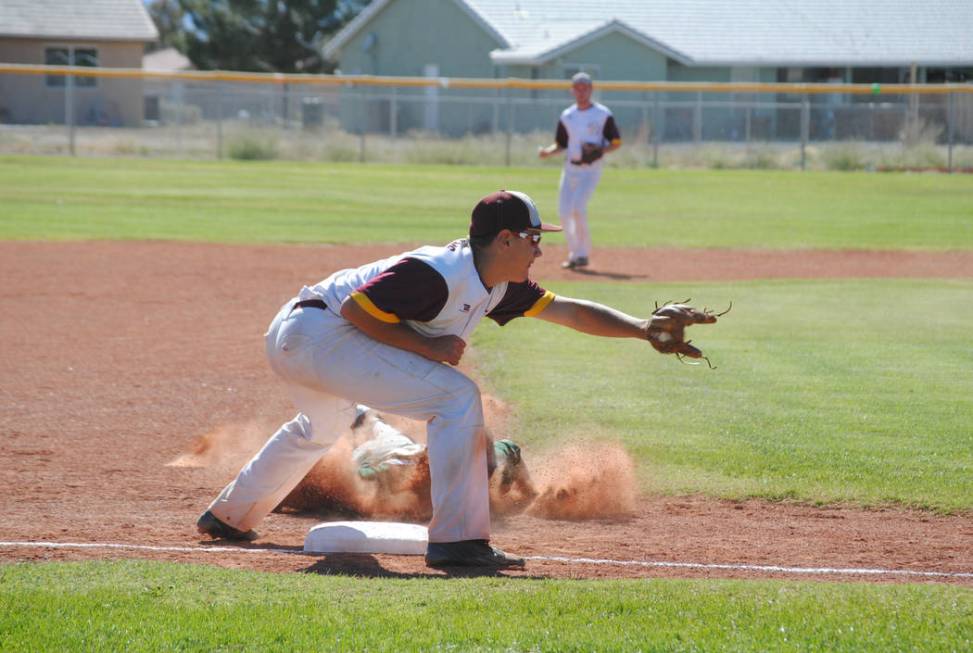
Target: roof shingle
{"type": "Point", "coordinates": [751, 32]}
{"type": "Point", "coordinates": [112, 20]}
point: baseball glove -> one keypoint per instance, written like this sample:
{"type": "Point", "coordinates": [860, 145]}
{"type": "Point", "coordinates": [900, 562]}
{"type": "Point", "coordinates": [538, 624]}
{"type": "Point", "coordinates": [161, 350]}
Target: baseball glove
{"type": "Point", "coordinates": [667, 328]}
{"type": "Point", "coordinates": [591, 152]}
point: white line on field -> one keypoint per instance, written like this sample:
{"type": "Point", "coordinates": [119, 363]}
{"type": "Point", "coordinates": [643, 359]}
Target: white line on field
{"type": "Point", "coordinates": [741, 567]}
{"type": "Point", "coordinates": [147, 547]}
{"type": "Point", "coordinates": [778, 569]}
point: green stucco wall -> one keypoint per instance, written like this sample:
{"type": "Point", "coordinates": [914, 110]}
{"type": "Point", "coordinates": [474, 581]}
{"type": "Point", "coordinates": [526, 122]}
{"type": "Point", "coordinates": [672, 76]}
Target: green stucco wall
{"type": "Point", "coordinates": [408, 35]}
{"type": "Point", "coordinates": [412, 33]}
{"type": "Point", "coordinates": [618, 56]}
{"type": "Point", "coordinates": [614, 56]}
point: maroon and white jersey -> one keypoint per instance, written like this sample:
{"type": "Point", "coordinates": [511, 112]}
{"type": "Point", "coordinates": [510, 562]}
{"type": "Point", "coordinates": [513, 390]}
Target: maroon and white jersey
{"type": "Point", "coordinates": [593, 125]}
{"type": "Point", "coordinates": [435, 290]}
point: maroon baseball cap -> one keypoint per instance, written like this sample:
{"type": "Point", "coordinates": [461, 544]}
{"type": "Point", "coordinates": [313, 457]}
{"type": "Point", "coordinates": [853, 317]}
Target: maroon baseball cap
{"type": "Point", "coordinates": [506, 209]}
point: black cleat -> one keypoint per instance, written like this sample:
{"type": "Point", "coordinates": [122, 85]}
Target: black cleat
{"type": "Point", "coordinates": [469, 553]}
{"type": "Point", "coordinates": [575, 263]}
{"type": "Point", "coordinates": [208, 524]}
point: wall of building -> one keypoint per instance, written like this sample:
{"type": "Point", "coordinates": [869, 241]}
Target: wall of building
{"type": "Point", "coordinates": [30, 99]}
{"type": "Point", "coordinates": [419, 38]}
{"type": "Point", "coordinates": [614, 56]}
{"type": "Point", "coordinates": [407, 35]}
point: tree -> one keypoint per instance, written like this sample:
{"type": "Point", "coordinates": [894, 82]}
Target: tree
{"type": "Point", "coordinates": [262, 35]}
{"type": "Point", "coordinates": [168, 18]}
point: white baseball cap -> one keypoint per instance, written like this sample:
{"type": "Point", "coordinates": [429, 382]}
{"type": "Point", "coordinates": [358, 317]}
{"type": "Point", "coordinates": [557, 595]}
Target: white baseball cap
{"type": "Point", "coordinates": [581, 78]}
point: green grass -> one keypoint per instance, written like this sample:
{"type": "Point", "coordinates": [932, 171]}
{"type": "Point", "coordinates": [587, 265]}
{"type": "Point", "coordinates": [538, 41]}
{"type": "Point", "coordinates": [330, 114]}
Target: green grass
{"type": "Point", "coordinates": [826, 391]}
{"type": "Point", "coordinates": [142, 606]}
{"type": "Point", "coordinates": [63, 198]}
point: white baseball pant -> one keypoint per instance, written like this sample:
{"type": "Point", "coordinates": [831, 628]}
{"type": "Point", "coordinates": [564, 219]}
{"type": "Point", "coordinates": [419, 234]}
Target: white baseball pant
{"type": "Point", "coordinates": [328, 366]}
{"type": "Point", "coordinates": [576, 187]}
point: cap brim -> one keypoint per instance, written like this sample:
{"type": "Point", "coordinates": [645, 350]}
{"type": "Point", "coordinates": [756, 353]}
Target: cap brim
{"type": "Point", "coordinates": [550, 227]}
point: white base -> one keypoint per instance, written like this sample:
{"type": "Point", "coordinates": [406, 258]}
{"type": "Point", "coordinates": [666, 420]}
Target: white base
{"type": "Point", "coordinates": [367, 537]}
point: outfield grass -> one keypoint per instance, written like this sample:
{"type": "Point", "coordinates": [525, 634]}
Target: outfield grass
{"type": "Point", "coordinates": [142, 606]}
{"type": "Point", "coordinates": [64, 198]}
{"type": "Point", "coordinates": [826, 391]}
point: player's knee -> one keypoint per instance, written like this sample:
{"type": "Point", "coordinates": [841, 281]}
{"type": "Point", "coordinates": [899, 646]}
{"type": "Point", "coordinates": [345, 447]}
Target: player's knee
{"type": "Point", "coordinates": [467, 390]}
{"type": "Point", "coordinates": [319, 432]}
{"type": "Point", "coordinates": [465, 403]}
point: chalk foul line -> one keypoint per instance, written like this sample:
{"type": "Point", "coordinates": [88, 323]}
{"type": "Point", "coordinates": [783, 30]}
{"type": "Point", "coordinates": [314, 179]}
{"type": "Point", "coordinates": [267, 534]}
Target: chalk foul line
{"type": "Point", "coordinates": [776, 569]}
{"type": "Point", "coordinates": [762, 568]}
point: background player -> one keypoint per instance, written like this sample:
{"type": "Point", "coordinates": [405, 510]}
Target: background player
{"type": "Point", "coordinates": [586, 130]}
{"type": "Point", "coordinates": [380, 334]}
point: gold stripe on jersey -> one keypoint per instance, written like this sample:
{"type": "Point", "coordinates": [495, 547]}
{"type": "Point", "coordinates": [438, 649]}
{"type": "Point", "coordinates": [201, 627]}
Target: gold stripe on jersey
{"type": "Point", "coordinates": [540, 304]}
{"type": "Point", "coordinates": [362, 300]}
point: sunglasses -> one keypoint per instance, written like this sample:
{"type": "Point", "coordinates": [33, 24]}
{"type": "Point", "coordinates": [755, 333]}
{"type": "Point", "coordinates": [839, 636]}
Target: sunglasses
{"type": "Point", "coordinates": [534, 237]}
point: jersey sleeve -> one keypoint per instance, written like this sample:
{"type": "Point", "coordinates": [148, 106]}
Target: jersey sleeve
{"type": "Point", "coordinates": [610, 131]}
{"type": "Point", "coordinates": [408, 290]}
{"type": "Point", "coordinates": [525, 299]}
{"type": "Point", "coordinates": [561, 136]}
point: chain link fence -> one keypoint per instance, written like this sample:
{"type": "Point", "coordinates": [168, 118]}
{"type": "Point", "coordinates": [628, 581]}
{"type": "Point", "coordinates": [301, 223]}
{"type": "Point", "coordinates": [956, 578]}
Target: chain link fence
{"type": "Point", "coordinates": [115, 112]}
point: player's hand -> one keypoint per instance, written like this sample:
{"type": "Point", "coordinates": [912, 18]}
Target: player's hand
{"type": "Point", "coordinates": [445, 349]}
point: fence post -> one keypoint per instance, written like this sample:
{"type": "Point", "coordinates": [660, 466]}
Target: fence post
{"type": "Point", "coordinates": [69, 110]}
{"type": "Point", "coordinates": [949, 130]}
{"type": "Point", "coordinates": [219, 125]}
{"type": "Point", "coordinates": [496, 112]}
{"type": "Point", "coordinates": [748, 124]}
{"type": "Point", "coordinates": [805, 128]}
{"type": "Point", "coordinates": [180, 107]}
{"type": "Point", "coordinates": [510, 126]}
{"type": "Point", "coordinates": [285, 105]}
{"type": "Point", "coordinates": [649, 130]}
{"type": "Point", "coordinates": [394, 114]}
{"type": "Point", "coordinates": [698, 118]}
{"type": "Point", "coordinates": [657, 131]}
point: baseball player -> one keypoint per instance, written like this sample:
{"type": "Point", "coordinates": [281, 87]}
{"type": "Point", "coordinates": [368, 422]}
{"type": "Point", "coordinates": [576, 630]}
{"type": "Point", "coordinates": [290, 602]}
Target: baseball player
{"type": "Point", "coordinates": [388, 451]}
{"type": "Point", "coordinates": [586, 131]}
{"type": "Point", "coordinates": [395, 471]}
{"type": "Point", "coordinates": [388, 334]}
{"type": "Point", "coordinates": [392, 460]}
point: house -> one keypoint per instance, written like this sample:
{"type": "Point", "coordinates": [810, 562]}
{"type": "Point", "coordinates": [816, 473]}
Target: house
{"type": "Point", "coordinates": [159, 93]}
{"type": "Point", "coordinates": [862, 41]}
{"type": "Point", "coordinates": [104, 33]}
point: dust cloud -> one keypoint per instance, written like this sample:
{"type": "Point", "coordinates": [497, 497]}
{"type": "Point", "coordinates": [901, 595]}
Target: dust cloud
{"type": "Point", "coordinates": [226, 448]}
{"type": "Point", "coordinates": [585, 480]}
{"type": "Point", "coordinates": [333, 486]}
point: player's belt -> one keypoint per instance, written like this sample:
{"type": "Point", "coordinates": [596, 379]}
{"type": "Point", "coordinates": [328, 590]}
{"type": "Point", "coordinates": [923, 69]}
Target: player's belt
{"type": "Point", "coordinates": [580, 163]}
{"type": "Point", "coordinates": [309, 303]}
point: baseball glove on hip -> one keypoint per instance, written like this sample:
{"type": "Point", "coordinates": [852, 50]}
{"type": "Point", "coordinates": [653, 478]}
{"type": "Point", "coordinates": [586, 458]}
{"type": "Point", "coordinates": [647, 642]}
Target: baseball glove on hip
{"type": "Point", "coordinates": [667, 328]}
{"type": "Point", "coordinates": [591, 152]}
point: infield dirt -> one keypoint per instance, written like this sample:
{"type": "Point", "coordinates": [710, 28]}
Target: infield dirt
{"type": "Point", "coordinates": [133, 385]}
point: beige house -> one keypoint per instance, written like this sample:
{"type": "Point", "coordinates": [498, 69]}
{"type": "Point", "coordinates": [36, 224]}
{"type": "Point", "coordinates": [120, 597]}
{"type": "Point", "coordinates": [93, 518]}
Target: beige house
{"type": "Point", "coordinates": [103, 33]}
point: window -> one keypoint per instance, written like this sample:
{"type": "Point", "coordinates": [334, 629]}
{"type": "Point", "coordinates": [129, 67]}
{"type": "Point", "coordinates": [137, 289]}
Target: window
{"type": "Point", "coordinates": [56, 57]}
{"type": "Point", "coordinates": [65, 56]}
{"type": "Point", "coordinates": [86, 57]}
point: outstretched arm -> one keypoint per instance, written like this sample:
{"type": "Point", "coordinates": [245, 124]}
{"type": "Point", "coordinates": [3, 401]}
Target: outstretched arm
{"type": "Point", "coordinates": [593, 318]}
{"type": "Point", "coordinates": [665, 329]}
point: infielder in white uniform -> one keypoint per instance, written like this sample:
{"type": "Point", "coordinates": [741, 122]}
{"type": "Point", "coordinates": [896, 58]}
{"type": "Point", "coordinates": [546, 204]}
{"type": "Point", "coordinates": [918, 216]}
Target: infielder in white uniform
{"type": "Point", "coordinates": [586, 131]}
{"type": "Point", "coordinates": [387, 334]}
